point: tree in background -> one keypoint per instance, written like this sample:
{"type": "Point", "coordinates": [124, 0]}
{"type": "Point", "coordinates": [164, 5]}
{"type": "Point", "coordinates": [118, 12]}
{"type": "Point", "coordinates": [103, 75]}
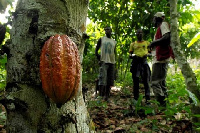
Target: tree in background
{"type": "Point", "coordinates": [190, 78]}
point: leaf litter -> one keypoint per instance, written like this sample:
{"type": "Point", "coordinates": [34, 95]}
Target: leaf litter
{"type": "Point", "coordinates": [119, 115]}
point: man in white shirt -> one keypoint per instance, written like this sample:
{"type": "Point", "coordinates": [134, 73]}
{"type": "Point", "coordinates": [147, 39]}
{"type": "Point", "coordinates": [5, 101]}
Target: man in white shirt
{"type": "Point", "coordinates": [107, 45]}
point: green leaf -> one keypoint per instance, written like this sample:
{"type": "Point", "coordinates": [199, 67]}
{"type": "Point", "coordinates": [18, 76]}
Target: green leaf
{"type": "Point", "coordinates": [2, 118]}
{"type": "Point", "coordinates": [196, 38]}
{"type": "Point", "coordinates": [193, 97]}
{"type": "Point", "coordinates": [198, 115]}
{"type": "Point", "coordinates": [3, 60]}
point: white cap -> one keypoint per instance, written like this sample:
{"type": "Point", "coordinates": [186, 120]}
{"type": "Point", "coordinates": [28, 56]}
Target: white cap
{"type": "Point", "coordinates": [159, 14]}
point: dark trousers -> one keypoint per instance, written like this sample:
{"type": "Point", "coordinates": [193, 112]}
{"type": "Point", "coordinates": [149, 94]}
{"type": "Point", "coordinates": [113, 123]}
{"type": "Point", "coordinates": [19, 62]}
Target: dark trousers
{"type": "Point", "coordinates": [140, 68]}
{"type": "Point", "coordinates": [145, 81]}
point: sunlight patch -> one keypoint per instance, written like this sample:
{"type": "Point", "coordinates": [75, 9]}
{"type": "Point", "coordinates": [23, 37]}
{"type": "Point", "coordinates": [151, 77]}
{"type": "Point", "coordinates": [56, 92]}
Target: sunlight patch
{"type": "Point", "coordinates": [116, 88]}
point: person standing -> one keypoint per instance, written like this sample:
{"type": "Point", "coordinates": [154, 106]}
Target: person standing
{"type": "Point", "coordinates": [139, 67]}
{"type": "Point", "coordinates": [107, 47]}
{"type": "Point", "coordinates": [162, 52]}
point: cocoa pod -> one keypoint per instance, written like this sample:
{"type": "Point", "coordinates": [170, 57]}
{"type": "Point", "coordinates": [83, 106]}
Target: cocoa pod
{"type": "Point", "coordinates": [60, 68]}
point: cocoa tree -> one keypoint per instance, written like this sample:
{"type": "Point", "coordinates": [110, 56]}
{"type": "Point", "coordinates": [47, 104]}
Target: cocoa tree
{"type": "Point", "coordinates": [190, 78]}
{"type": "Point", "coordinates": [29, 110]}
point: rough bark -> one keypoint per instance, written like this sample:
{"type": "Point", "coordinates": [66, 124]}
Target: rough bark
{"type": "Point", "coordinates": [28, 109]}
{"type": "Point", "coordinates": [190, 78]}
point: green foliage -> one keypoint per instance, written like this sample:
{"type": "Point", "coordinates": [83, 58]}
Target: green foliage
{"type": "Point", "coordinates": [140, 108]}
{"type": "Point", "coordinates": [178, 103]}
{"type": "Point", "coordinates": [179, 97]}
{"type": "Point", "coordinates": [3, 61]}
{"type": "Point", "coordinates": [98, 103]}
{"type": "Point", "coordinates": [125, 17]}
{"type": "Point", "coordinates": [196, 38]}
{"type": "Point", "coordinates": [197, 72]}
{"type": "Point", "coordinates": [2, 118]}
{"type": "Point", "coordinates": [188, 23]}
{"type": "Point", "coordinates": [4, 3]}
{"type": "Point", "coordinates": [90, 69]}
{"type": "Point", "coordinates": [126, 91]}
{"type": "Point", "coordinates": [138, 104]}
{"type": "Point", "coordinates": [125, 81]}
{"type": "Point", "coordinates": [90, 63]}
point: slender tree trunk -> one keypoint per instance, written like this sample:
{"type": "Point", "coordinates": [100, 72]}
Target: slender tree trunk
{"type": "Point", "coordinates": [29, 110]}
{"type": "Point", "coordinates": [190, 78]}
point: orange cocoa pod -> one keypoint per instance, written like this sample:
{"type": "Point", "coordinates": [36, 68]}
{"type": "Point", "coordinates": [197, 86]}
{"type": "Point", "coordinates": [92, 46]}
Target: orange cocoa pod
{"type": "Point", "coordinates": [60, 68]}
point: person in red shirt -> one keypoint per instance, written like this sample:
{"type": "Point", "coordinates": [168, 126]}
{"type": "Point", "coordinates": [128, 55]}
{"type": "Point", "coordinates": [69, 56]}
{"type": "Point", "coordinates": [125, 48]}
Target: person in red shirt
{"type": "Point", "coordinates": [162, 52]}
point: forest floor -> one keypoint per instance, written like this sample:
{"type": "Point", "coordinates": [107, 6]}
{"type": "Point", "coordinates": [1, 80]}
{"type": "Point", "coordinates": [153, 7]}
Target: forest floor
{"type": "Point", "coordinates": [121, 115]}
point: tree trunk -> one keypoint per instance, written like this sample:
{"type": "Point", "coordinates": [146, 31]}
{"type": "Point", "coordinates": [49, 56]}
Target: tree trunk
{"type": "Point", "coordinates": [190, 78]}
{"type": "Point", "coordinates": [29, 110]}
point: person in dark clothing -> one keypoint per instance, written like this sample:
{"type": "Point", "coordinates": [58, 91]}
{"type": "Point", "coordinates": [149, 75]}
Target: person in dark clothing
{"type": "Point", "coordinates": [139, 66]}
{"type": "Point", "coordinates": [107, 46]}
